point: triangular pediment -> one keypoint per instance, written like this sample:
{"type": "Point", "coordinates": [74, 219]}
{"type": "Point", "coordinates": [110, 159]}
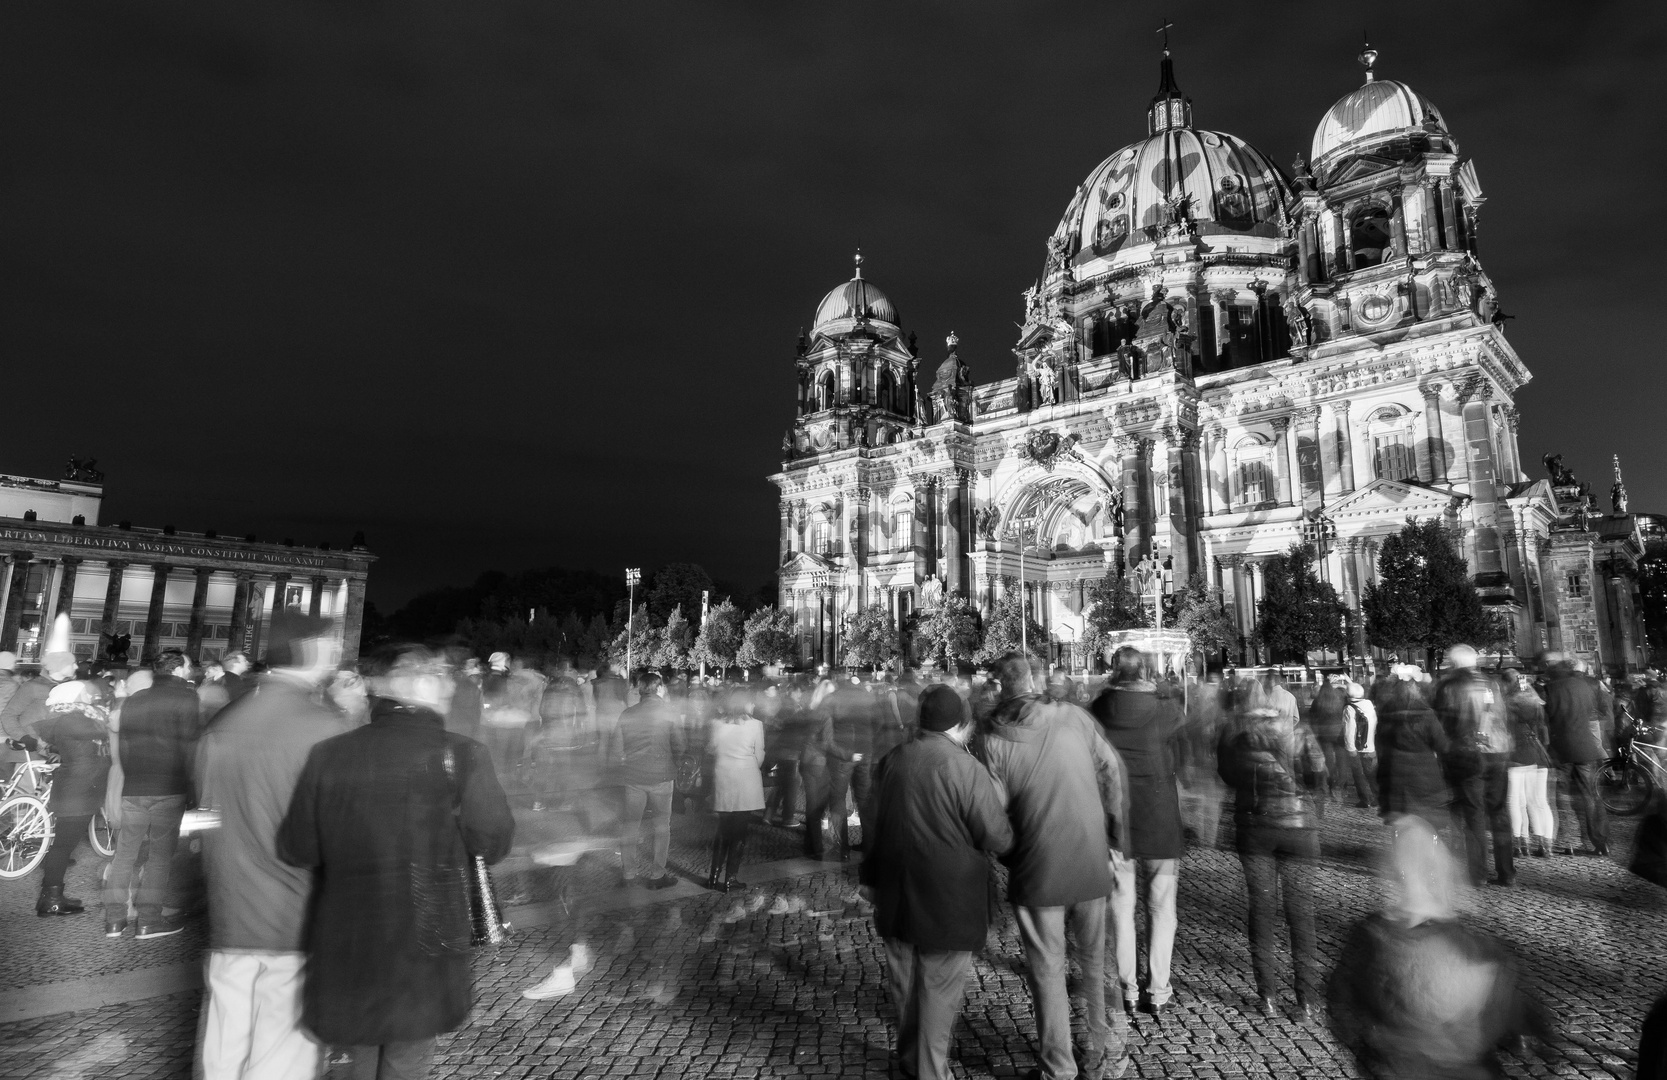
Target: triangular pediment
{"type": "Point", "coordinates": [803, 562]}
{"type": "Point", "coordinates": [1407, 498]}
{"type": "Point", "coordinates": [1367, 165]}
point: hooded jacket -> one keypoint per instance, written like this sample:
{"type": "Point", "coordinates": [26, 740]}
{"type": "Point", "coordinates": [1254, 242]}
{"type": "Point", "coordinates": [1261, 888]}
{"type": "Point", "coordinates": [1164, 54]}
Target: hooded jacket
{"type": "Point", "coordinates": [1141, 723]}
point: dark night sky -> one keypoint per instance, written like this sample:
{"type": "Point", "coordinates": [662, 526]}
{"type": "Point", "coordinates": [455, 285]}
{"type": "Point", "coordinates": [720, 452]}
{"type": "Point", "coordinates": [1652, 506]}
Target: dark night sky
{"type": "Point", "coordinates": [517, 283]}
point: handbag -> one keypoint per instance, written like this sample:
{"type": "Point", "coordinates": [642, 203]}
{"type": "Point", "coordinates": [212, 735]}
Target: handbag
{"type": "Point", "coordinates": [487, 925]}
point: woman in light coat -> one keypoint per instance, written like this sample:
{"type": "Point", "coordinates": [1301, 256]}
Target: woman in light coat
{"type": "Point", "coordinates": [736, 747]}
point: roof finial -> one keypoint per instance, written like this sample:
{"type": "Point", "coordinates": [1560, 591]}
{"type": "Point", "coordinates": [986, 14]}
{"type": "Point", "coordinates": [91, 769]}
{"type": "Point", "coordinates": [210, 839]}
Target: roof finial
{"type": "Point", "coordinates": [1368, 56]}
{"type": "Point", "coordinates": [1617, 492]}
{"type": "Point", "coordinates": [1163, 28]}
{"type": "Point", "coordinates": [858, 261]}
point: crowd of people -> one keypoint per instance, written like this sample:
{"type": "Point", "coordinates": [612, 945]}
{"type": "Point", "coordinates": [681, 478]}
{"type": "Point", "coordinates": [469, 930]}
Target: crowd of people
{"type": "Point", "coordinates": [347, 817]}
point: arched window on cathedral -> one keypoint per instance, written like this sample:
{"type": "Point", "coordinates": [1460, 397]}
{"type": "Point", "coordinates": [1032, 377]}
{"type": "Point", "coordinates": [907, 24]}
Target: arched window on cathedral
{"type": "Point", "coordinates": [887, 397]}
{"type": "Point", "coordinates": [1252, 475]}
{"type": "Point", "coordinates": [903, 524]}
{"type": "Point", "coordinates": [825, 391]}
{"type": "Point", "coordinates": [1390, 433]}
{"type": "Point", "coordinates": [821, 535]}
{"type": "Point", "coordinates": [1370, 236]}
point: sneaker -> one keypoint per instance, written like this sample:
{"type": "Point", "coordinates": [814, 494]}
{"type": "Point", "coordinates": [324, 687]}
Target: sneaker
{"type": "Point", "coordinates": [115, 927]}
{"type": "Point", "coordinates": [559, 983]}
{"type": "Point", "coordinates": [159, 928]}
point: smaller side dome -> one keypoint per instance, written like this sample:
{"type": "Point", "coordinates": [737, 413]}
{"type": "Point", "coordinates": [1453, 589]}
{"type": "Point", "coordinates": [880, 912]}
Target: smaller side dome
{"type": "Point", "coordinates": [1375, 112]}
{"type": "Point", "coordinates": [856, 299]}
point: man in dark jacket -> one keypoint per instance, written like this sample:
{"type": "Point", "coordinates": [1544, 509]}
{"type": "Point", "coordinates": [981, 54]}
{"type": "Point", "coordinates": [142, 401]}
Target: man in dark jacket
{"type": "Point", "coordinates": [1068, 801]}
{"type": "Point", "coordinates": [1142, 723]}
{"type": "Point", "coordinates": [1327, 716]}
{"type": "Point", "coordinates": [247, 766]}
{"type": "Point", "coordinates": [936, 813]}
{"type": "Point", "coordinates": [646, 747]}
{"type": "Point", "coordinates": [390, 815]}
{"type": "Point", "coordinates": [847, 740]}
{"type": "Point", "coordinates": [1477, 719]}
{"type": "Point", "coordinates": [158, 747]}
{"type": "Point", "coordinates": [1572, 715]}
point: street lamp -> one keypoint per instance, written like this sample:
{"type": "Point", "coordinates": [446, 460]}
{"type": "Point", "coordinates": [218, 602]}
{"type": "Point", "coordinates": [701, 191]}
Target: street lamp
{"type": "Point", "coordinates": [632, 576]}
{"type": "Point", "coordinates": [1019, 526]}
{"type": "Point", "coordinates": [1319, 531]}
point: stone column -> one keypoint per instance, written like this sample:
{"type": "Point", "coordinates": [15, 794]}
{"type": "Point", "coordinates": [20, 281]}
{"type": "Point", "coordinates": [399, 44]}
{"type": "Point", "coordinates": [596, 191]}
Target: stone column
{"type": "Point", "coordinates": [1513, 462]}
{"type": "Point", "coordinates": [1345, 445]}
{"type": "Point", "coordinates": [1308, 419]}
{"type": "Point", "coordinates": [1132, 451]}
{"type": "Point", "coordinates": [1482, 476]}
{"type": "Point", "coordinates": [1283, 453]}
{"type": "Point", "coordinates": [786, 531]}
{"type": "Point", "coordinates": [1435, 442]}
{"type": "Point", "coordinates": [1257, 590]}
{"type": "Point", "coordinates": [14, 599]}
{"type": "Point", "coordinates": [315, 604]}
{"type": "Point", "coordinates": [237, 637]}
{"type": "Point", "coordinates": [112, 606]}
{"type": "Point", "coordinates": [199, 601]}
{"type": "Point", "coordinates": [353, 621]}
{"type": "Point", "coordinates": [153, 615]}
{"type": "Point", "coordinates": [956, 531]}
{"type": "Point", "coordinates": [1221, 480]}
{"type": "Point", "coordinates": [66, 585]}
{"type": "Point", "coordinates": [280, 585]}
{"type": "Point", "coordinates": [1182, 465]}
{"type": "Point", "coordinates": [922, 530]}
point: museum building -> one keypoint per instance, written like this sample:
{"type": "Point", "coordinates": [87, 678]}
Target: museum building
{"type": "Point", "coordinates": [205, 594]}
{"type": "Point", "coordinates": [1219, 360]}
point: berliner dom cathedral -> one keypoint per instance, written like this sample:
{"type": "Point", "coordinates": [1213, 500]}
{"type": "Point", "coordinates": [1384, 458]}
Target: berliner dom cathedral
{"type": "Point", "coordinates": [1220, 358]}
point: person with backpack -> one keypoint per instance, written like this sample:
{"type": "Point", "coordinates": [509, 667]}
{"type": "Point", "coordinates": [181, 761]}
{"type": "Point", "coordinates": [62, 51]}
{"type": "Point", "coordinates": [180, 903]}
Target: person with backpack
{"type": "Point", "coordinates": [1277, 770]}
{"type": "Point", "coordinates": [1473, 713]}
{"type": "Point", "coordinates": [1360, 732]}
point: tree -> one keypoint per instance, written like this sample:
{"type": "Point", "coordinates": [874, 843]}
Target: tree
{"type": "Point", "coordinates": [1298, 612]}
{"type": "Point", "coordinates": [948, 634]}
{"type": "Point", "coordinates": [676, 585]}
{"type": "Point", "coordinates": [767, 638]}
{"type": "Point", "coordinates": [720, 638]}
{"type": "Point", "coordinates": [1199, 611]}
{"type": "Point", "coordinates": [1424, 598]}
{"type": "Point", "coordinates": [1001, 631]}
{"type": "Point", "coordinates": [677, 639]}
{"type": "Point", "coordinates": [870, 639]}
{"type": "Point", "coordinates": [1112, 605]}
{"type": "Point", "coordinates": [644, 639]}
{"type": "Point", "coordinates": [592, 650]}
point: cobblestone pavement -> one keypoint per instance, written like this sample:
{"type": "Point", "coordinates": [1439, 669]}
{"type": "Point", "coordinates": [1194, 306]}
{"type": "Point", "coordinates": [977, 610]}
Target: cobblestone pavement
{"type": "Point", "coordinates": [690, 982]}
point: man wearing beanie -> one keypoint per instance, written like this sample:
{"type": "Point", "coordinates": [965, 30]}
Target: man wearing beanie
{"type": "Point", "coordinates": [937, 812]}
{"type": "Point", "coordinates": [26, 705]}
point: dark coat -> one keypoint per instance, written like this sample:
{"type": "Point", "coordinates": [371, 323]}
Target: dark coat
{"type": "Point", "coordinates": [391, 835]}
{"type": "Point", "coordinates": [1143, 726]}
{"type": "Point", "coordinates": [1274, 770]}
{"type": "Point", "coordinates": [1325, 715]}
{"type": "Point", "coordinates": [1572, 708]}
{"type": "Point", "coordinates": [80, 739]}
{"type": "Point", "coordinates": [1528, 730]}
{"type": "Point", "coordinates": [1067, 798]}
{"type": "Point", "coordinates": [936, 812]}
{"type": "Point", "coordinates": [159, 732]}
{"type": "Point", "coordinates": [1411, 744]}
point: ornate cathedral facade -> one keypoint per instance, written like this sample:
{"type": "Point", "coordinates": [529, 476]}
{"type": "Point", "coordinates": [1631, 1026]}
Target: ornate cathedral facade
{"type": "Point", "coordinates": [1218, 361]}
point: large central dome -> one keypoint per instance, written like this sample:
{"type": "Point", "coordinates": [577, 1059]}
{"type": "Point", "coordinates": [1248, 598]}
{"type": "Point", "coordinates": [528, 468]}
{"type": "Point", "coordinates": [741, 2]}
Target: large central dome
{"type": "Point", "coordinates": [1231, 186]}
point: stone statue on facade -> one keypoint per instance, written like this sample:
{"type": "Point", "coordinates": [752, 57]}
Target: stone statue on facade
{"type": "Point", "coordinates": [931, 593]}
{"type": "Point", "coordinates": [83, 471]}
{"type": "Point", "coordinates": [1296, 317]}
{"type": "Point", "coordinates": [1047, 383]}
{"type": "Point", "coordinates": [1561, 476]}
{"type": "Point", "coordinates": [1617, 490]}
{"type": "Point", "coordinates": [985, 519]}
{"type": "Point", "coordinates": [952, 387]}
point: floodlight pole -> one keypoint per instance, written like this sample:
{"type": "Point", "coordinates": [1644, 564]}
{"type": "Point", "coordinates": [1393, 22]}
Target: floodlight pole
{"type": "Point", "coordinates": [632, 576]}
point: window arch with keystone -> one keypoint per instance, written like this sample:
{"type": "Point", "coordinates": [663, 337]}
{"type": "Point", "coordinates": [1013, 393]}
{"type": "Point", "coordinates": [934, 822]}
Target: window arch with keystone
{"type": "Point", "coordinates": [1252, 473]}
{"type": "Point", "coordinates": [1389, 433]}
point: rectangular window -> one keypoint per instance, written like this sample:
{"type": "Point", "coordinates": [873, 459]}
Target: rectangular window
{"type": "Point", "coordinates": [1577, 585]}
{"type": "Point", "coordinates": [1254, 484]}
{"type": "Point", "coordinates": [78, 626]}
{"type": "Point", "coordinates": [124, 626]}
{"type": "Point", "coordinates": [1308, 465]}
{"type": "Point", "coordinates": [1392, 458]}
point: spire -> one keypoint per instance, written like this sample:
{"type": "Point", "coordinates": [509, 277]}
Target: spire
{"type": "Point", "coordinates": [858, 261]}
{"type": "Point", "coordinates": [1617, 490]}
{"type": "Point", "coordinates": [1170, 108]}
{"type": "Point", "coordinates": [1368, 56]}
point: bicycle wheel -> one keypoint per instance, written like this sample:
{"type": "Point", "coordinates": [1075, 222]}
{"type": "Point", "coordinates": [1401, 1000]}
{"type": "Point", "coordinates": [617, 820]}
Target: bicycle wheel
{"type": "Point", "coordinates": [101, 835]}
{"type": "Point", "coordinates": [25, 834]}
{"type": "Point", "coordinates": [1623, 787]}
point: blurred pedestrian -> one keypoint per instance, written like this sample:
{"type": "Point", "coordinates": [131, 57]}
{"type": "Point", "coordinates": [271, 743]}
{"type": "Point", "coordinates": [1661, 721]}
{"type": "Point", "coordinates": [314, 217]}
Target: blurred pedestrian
{"type": "Point", "coordinates": [26, 706]}
{"type": "Point", "coordinates": [1573, 712]}
{"type": "Point", "coordinates": [237, 679]}
{"type": "Point", "coordinates": [247, 768]}
{"type": "Point", "coordinates": [847, 742]}
{"type": "Point", "coordinates": [74, 729]}
{"type": "Point", "coordinates": [1411, 743]}
{"type": "Point", "coordinates": [937, 814]}
{"type": "Point", "coordinates": [1277, 771]}
{"type": "Point", "coordinates": [390, 816]}
{"type": "Point", "coordinates": [737, 749]}
{"type": "Point", "coordinates": [1142, 726]}
{"type": "Point", "coordinates": [1327, 716]}
{"type": "Point", "coordinates": [1477, 721]}
{"type": "Point", "coordinates": [1418, 995]}
{"type": "Point", "coordinates": [646, 747]}
{"type": "Point", "coordinates": [1531, 816]}
{"type": "Point", "coordinates": [1200, 783]}
{"type": "Point", "coordinates": [158, 747]}
{"type": "Point", "coordinates": [1068, 802]}
{"type": "Point", "coordinates": [1360, 734]}
{"type": "Point", "coordinates": [350, 697]}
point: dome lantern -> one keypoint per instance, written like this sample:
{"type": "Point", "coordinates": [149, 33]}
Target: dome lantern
{"type": "Point", "coordinates": [1170, 108]}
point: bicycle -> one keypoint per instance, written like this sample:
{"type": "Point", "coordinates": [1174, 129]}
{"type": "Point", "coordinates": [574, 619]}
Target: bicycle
{"type": "Point", "coordinates": [1635, 772]}
{"type": "Point", "coordinates": [31, 778]}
